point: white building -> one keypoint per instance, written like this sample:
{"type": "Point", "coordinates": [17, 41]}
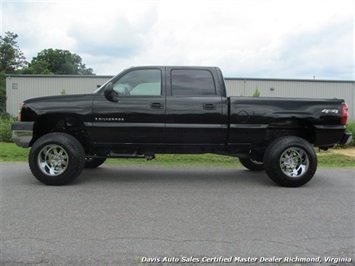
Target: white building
{"type": "Point", "coordinates": [22, 87]}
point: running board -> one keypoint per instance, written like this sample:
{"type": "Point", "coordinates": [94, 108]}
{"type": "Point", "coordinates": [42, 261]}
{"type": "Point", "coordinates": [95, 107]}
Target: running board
{"type": "Point", "coordinates": [147, 156]}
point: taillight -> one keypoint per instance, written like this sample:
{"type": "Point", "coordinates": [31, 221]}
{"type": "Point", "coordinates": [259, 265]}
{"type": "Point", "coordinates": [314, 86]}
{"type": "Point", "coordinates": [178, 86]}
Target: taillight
{"type": "Point", "coordinates": [344, 114]}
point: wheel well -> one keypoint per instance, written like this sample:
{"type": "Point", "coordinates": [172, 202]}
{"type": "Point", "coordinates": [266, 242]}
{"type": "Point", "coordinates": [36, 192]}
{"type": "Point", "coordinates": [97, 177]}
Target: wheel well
{"type": "Point", "coordinates": [67, 123]}
{"type": "Point", "coordinates": [299, 128]}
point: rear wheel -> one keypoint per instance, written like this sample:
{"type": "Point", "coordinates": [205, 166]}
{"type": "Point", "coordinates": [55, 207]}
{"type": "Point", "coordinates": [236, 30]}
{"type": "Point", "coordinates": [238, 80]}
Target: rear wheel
{"type": "Point", "coordinates": [91, 162]}
{"type": "Point", "coordinates": [252, 165]}
{"type": "Point", "coordinates": [56, 159]}
{"type": "Point", "coordinates": [290, 161]}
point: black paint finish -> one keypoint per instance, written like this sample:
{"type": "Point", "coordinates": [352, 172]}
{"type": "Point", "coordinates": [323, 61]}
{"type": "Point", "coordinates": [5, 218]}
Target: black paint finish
{"type": "Point", "coordinates": [169, 123]}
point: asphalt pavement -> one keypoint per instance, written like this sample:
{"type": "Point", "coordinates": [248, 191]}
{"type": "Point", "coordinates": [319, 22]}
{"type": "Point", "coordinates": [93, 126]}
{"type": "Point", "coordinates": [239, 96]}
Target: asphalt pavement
{"type": "Point", "coordinates": [117, 215]}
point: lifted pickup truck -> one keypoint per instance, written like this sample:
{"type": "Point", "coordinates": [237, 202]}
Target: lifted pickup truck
{"type": "Point", "coordinates": [145, 111]}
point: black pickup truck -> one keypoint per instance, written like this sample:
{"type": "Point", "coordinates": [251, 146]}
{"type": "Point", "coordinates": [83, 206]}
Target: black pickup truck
{"type": "Point", "coordinates": [145, 111]}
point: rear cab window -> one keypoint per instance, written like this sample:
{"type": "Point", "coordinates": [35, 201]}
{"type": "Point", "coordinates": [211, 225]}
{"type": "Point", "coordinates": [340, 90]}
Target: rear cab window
{"type": "Point", "coordinates": [192, 82]}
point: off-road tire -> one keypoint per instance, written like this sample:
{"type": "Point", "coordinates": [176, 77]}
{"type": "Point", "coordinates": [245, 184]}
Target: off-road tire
{"type": "Point", "coordinates": [252, 165]}
{"type": "Point", "coordinates": [56, 159]}
{"type": "Point", "coordinates": [290, 161]}
{"type": "Point", "coordinates": [93, 162]}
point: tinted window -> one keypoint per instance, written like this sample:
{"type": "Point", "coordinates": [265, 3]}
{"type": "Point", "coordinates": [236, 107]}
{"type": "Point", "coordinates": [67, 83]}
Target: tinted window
{"type": "Point", "coordinates": [145, 82]}
{"type": "Point", "coordinates": [192, 82]}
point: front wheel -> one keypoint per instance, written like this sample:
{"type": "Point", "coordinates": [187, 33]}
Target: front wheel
{"type": "Point", "coordinates": [290, 161]}
{"type": "Point", "coordinates": [56, 159]}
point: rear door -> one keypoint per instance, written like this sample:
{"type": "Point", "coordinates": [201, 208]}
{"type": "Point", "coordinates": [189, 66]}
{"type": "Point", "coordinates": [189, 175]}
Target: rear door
{"type": "Point", "coordinates": [196, 113]}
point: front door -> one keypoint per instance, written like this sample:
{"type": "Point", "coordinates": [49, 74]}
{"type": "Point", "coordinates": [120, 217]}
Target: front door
{"type": "Point", "coordinates": [138, 117]}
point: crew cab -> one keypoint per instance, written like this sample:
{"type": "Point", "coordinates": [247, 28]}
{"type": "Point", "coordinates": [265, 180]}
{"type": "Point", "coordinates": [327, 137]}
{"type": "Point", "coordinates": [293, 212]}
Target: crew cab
{"type": "Point", "coordinates": [145, 111]}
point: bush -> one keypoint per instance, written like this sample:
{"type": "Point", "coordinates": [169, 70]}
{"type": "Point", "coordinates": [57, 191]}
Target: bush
{"type": "Point", "coordinates": [350, 127]}
{"type": "Point", "coordinates": [5, 127]}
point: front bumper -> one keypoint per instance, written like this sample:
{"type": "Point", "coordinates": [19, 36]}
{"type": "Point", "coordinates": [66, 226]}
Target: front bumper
{"type": "Point", "coordinates": [347, 138]}
{"type": "Point", "coordinates": [22, 133]}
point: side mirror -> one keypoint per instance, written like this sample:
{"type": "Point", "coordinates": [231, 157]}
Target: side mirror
{"type": "Point", "coordinates": [110, 94]}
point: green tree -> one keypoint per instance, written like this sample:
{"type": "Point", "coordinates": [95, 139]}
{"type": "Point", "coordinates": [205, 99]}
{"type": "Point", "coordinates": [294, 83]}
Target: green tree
{"type": "Point", "coordinates": [39, 67]}
{"type": "Point", "coordinates": [2, 93]}
{"type": "Point", "coordinates": [11, 61]}
{"type": "Point", "coordinates": [58, 62]}
{"type": "Point", "coordinates": [11, 57]}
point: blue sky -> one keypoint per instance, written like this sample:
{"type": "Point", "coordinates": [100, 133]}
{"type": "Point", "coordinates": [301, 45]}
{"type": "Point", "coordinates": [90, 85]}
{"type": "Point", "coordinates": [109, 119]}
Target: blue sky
{"type": "Point", "coordinates": [252, 38]}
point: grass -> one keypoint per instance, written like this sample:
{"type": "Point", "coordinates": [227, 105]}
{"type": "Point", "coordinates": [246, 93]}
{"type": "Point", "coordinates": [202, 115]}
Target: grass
{"type": "Point", "coordinates": [330, 159]}
{"type": "Point", "coordinates": [335, 160]}
{"type": "Point", "coordinates": [9, 152]}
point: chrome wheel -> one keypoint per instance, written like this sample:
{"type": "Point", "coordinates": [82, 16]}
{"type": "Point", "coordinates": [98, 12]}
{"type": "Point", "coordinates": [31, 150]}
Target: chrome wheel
{"type": "Point", "coordinates": [290, 161]}
{"type": "Point", "coordinates": [53, 160]}
{"type": "Point", "coordinates": [294, 162]}
{"type": "Point", "coordinates": [56, 159]}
